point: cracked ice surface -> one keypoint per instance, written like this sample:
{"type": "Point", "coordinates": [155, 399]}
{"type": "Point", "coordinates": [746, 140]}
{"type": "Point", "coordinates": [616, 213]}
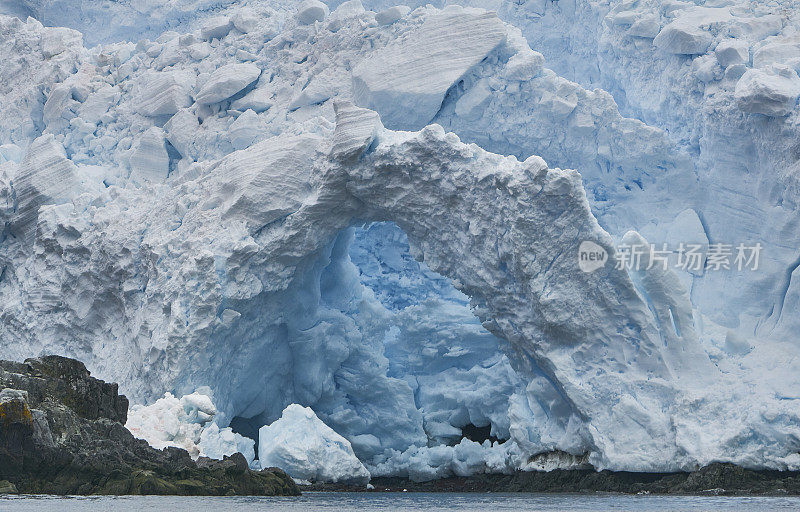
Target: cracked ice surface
{"type": "Point", "coordinates": [231, 203]}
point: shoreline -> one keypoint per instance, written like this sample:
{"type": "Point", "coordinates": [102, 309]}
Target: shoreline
{"type": "Point", "coordinates": [62, 433]}
{"type": "Point", "coordinates": [718, 479]}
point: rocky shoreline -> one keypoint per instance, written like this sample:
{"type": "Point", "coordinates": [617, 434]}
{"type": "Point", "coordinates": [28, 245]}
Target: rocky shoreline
{"type": "Point", "coordinates": [62, 432]}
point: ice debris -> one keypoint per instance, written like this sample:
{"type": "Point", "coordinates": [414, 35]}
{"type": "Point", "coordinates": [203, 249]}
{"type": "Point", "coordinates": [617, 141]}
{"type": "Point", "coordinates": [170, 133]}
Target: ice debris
{"type": "Point", "coordinates": [188, 423]}
{"type": "Point", "coordinates": [307, 449]}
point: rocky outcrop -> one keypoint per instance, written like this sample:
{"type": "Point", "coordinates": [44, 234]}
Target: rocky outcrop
{"type": "Point", "coordinates": [61, 432]}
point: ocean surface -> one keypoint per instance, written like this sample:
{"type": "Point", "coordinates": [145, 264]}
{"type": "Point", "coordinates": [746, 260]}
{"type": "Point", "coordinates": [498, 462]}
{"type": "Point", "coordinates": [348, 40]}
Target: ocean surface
{"type": "Point", "coordinates": [368, 502]}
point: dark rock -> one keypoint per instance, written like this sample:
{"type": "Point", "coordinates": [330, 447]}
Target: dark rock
{"type": "Point", "coordinates": [62, 432]}
{"type": "Point", "coordinates": [7, 487]}
{"type": "Point", "coordinates": [714, 479]}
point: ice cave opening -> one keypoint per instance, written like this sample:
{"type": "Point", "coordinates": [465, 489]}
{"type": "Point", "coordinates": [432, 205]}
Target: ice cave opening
{"type": "Point", "coordinates": [395, 359]}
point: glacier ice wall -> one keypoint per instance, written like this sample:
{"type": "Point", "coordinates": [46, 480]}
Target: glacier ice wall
{"type": "Point", "coordinates": [211, 208]}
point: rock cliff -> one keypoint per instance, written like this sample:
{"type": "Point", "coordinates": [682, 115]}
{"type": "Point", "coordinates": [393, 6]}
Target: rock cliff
{"type": "Point", "coordinates": [61, 432]}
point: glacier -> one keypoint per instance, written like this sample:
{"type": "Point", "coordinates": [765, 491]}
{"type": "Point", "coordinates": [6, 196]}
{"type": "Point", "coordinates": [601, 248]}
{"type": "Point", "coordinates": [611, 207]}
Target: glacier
{"type": "Point", "coordinates": [375, 212]}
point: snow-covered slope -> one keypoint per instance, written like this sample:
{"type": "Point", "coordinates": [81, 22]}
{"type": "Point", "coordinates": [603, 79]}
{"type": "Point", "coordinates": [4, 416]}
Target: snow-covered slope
{"type": "Point", "coordinates": [365, 213]}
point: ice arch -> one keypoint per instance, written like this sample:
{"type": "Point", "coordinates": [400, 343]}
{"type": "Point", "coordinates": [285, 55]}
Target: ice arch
{"type": "Point", "coordinates": [505, 232]}
{"type": "Point", "coordinates": [216, 276]}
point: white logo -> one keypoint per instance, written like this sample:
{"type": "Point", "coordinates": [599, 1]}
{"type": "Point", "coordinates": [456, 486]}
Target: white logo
{"type": "Point", "coordinates": [591, 256]}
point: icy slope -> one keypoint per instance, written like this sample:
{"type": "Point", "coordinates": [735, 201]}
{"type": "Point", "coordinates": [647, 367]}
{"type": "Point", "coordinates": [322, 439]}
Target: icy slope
{"type": "Point", "coordinates": [199, 210]}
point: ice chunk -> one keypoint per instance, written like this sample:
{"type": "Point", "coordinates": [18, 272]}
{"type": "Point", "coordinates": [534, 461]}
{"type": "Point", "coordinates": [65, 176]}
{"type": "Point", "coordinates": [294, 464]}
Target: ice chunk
{"type": "Point", "coordinates": [356, 128]}
{"type": "Point", "coordinates": [245, 20]}
{"type": "Point", "coordinates": [706, 68]}
{"type": "Point", "coordinates": [149, 159]}
{"type": "Point", "coordinates": [344, 12]}
{"type": "Point", "coordinates": [623, 18]}
{"type": "Point", "coordinates": [759, 27]}
{"type": "Point", "coordinates": [406, 81]}
{"type": "Point", "coordinates": [162, 93]}
{"type": "Point", "coordinates": [245, 129]}
{"type": "Point", "coordinates": [11, 153]}
{"type": "Point", "coordinates": [524, 65]}
{"type": "Point", "coordinates": [472, 103]}
{"type": "Point", "coordinates": [688, 34]}
{"type": "Point", "coordinates": [258, 100]}
{"type": "Point", "coordinates": [227, 81]}
{"type": "Point", "coordinates": [320, 89]}
{"type": "Point", "coordinates": [217, 443]}
{"type": "Point", "coordinates": [58, 109]}
{"type": "Point", "coordinates": [772, 91]}
{"type": "Point", "coordinates": [311, 11]}
{"type": "Point", "coordinates": [466, 458]}
{"type": "Point", "coordinates": [261, 190]}
{"type": "Point", "coordinates": [216, 28]}
{"type": "Point", "coordinates": [645, 26]}
{"type": "Point", "coordinates": [98, 103]}
{"type": "Point", "coordinates": [56, 40]}
{"type": "Point", "coordinates": [782, 51]}
{"type": "Point", "coordinates": [200, 51]}
{"type": "Point", "coordinates": [307, 449]}
{"type": "Point", "coordinates": [45, 176]}
{"type": "Point", "coordinates": [730, 52]}
{"type": "Point", "coordinates": [181, 130]}
{"type": "Point", "coordinates": [392, 14]}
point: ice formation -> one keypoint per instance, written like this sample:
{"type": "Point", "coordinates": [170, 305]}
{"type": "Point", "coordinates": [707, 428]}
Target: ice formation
{"type": "Point", "coordinates": [187, 423]}
{"type": "Point", "coordinates": [365, 209]}
{"type": "Point", "coordinates": [308, 450]}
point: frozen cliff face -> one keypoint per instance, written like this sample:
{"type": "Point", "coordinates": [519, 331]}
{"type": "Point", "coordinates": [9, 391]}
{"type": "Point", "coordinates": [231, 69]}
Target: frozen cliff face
{"type": "Point", "coordinates": [236, 206]}
{"type": "Point", "coordinates": [721, 79]}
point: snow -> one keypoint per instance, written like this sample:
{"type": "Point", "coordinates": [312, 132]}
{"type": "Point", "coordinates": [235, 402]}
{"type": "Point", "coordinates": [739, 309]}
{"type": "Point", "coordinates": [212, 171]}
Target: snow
{"type": "Point", "coordinates": [222, 197]}
{"type": "Point", "coordinates": [307, 449]}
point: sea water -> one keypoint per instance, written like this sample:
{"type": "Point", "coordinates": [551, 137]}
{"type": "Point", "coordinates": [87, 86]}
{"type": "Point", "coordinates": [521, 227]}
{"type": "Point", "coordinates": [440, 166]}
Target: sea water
{"type": "Point", "coordinates": [378, 501]}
